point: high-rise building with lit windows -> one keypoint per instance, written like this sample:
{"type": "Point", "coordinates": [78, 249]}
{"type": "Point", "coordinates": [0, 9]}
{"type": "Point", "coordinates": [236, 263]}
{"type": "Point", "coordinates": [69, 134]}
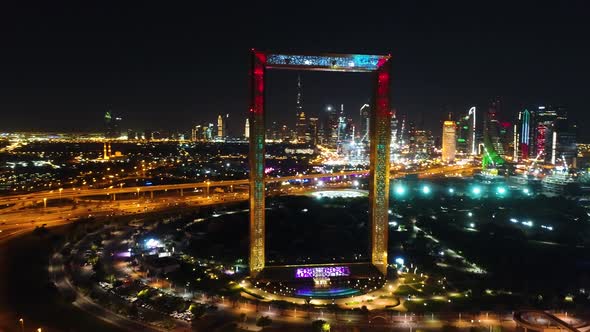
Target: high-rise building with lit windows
{"type": "Point", "coordinates": [523, 136]}
{"type": "Point", "coordinates": [313, 131]}
{"type": "Point", "coordinates": [560, 138]}
{"type": "Point", "coordinates": [301, 128]}
{"type": "Point", "coordinates": [247, 129]}
{"type": "Point", "coordinates": [330, 126]}
{"type": "Point", "coordinates": [463, 134]}
{"type": "Point", "coordinates": [220, 126]}
{"type": "Point", "coordinates": [449, 140]}
{"type": "Point", "coordinates": [545, 116]}
{"type": "Point", "coordinates": [471, 137]}
{"type": "Point", "coordinates": [492, 127]}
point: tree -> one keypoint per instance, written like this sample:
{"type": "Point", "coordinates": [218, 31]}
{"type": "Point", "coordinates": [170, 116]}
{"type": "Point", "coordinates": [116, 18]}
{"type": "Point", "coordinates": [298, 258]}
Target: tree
{"type": "Point", "coordinates": [99, 272]}
{"type": "Point", "coordinates": [263, 321]}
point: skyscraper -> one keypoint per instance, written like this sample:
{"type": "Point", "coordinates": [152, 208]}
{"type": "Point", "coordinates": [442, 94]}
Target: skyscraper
{"type": "Point", "coordinates": [394, 147]}
{"type": "Point", "coordinates": [301, 127]}
{"type": "Point", "coordinates": [247, 129]}
{"type": "Point", "coordinates": [516, 140]}
{"type": "Point", "coordinates": [449, 141]}
{"type": "Point", "coordinates": [220, 126]}
{"type": "Point", "coordinates": [420, 141]}
{"type": "Point", "coordinates": [544, 118]}
{"type": "Point", "coordinates": [471, 139]}
{"type": "Point", "coordinates": [341, 130]}
{"type": "Point", "coordinates": [523, 136]}
{"type": "Point", "coordinates": [463, 134]}
{"type": "Point", "coordinates": [492, 127]}
{"type": "Point", "coordinates": [112, 125]}
{"type": "Point", "coordinates": [195, 132]}
{"type": "Point", "coordinates": [364, 121]}
{"type": "Point", "coordinates": [208, 132]}
{"type": "Point", "coordinates": [313, 131]}
{"type": "Point", "coordinates": [226, 126]}
{"type": "Point", "coordinates": [330, 127]}
{"type": "Point", "coordinates": [560, 139]}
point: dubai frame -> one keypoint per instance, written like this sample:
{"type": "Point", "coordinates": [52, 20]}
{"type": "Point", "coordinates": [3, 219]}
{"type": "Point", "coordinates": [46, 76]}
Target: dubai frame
{"type": "Point", "coordinates": [380, 135]}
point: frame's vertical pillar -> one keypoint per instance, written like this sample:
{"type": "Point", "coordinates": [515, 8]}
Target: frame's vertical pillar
{"type": "Point", "coordinates": [380, 126]}
{"type": "Point", "coordinates": [257, 132]}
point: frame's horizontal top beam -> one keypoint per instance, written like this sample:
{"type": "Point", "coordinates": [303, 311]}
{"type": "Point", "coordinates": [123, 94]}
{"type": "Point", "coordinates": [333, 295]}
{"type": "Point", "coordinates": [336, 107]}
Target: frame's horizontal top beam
{"type": "Point", "coordinates": [325, 62]}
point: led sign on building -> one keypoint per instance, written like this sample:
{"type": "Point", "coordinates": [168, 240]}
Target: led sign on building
{"type": "Point", "coordinates": [322, 272]}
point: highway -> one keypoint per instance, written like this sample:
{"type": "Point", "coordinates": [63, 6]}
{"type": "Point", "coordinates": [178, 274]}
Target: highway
{"type": "Point", "coordinates": [17, 220]}
{"type": "Point", "coordinates": [73, 193]}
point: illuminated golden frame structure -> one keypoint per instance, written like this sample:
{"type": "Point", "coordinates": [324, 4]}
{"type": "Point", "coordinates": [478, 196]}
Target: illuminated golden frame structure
{"type": "Point", "coordinates": [380, 135]}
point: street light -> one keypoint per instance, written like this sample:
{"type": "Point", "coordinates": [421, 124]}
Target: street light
{"type": "Point", "coordinates": [399, 189]}
{"type": "Point", "coordinates": [44, 202]}
{"type": "Point", "coordinates": [476, 190]}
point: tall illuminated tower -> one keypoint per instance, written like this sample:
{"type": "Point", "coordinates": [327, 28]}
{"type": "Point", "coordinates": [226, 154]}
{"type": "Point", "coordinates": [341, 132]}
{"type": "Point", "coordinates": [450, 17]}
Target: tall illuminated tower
{"type": "Point", "coordinates": [105, 154]}
{"type": "Point", "coordinates": [313, 131]}
{"type": "Point", "coordinates": [220, 126]}
{"type": "Point", "coordinates": [449, 141]}
{"type": "Point", "coordinates": [341, 131]}
{"type": "Point", "coordinates": [247, 129]}
{"type": "Point", "coordinates": [331, 126]}
{"type": "Point", "coordinates": [301, 121]}
{"type": "Point", "coordinates": [364, 117]}
{"type": "Point", "coordinates": [471, 140]}
{"type": "Point", "coordinates": [516, 139]}
{"type": "Point", "coordinates": [524, 134]}
{"type": "Point", "coordinates": [492, 127]}
{"type": "Point", "coordinates": [226, 126]}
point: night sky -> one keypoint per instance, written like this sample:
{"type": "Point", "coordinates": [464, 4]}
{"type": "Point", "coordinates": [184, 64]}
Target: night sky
{"type": "Point", "coordinates": [162, 65]}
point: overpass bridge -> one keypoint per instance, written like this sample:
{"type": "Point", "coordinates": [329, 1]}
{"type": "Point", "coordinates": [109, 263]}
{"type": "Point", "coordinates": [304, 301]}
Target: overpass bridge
{"type": "Point", "coordinates": [77, 193]}
{"type": "Point", "coordinates": [542, 321]}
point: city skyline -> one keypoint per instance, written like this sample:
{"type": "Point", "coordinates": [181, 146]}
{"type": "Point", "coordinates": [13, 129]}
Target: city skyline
{"type": "Point", "coordinates": [368, 167]}
{"type": "Point", "coordinates": [151, 79]}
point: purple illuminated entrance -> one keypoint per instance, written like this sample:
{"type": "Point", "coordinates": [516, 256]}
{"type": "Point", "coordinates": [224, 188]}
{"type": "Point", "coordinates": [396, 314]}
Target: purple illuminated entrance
{"type": "Point", "coordinates": [322, 272]}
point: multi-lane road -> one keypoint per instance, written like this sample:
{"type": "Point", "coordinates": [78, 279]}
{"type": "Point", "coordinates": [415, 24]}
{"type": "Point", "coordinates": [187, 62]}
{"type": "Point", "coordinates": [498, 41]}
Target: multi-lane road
{"type": "Point", "coordinates": [25, 220]}
{"type": "Point", "coordinates": [73, 193]}
{"type": "Point", "coordinates": [17, 219]}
